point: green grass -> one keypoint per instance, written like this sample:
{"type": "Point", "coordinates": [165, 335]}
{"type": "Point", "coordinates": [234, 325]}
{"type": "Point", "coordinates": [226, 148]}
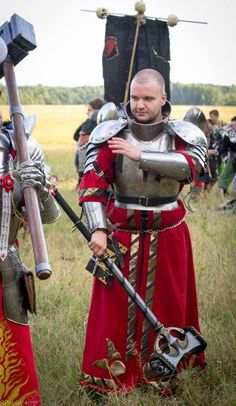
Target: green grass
{"type": "Point", "coordinates": [63, 300]}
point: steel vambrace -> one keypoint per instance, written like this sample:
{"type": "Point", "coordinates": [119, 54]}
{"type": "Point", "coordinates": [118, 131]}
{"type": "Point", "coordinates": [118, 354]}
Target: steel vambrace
{"type": "Point", "coordinates": [95, 215]}
{"type": "Point", "coordinates": [172, 164]}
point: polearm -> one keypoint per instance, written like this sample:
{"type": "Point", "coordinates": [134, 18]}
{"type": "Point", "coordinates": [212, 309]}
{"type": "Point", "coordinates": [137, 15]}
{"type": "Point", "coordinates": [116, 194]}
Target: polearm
{"type": "Point", "coordinates": [19, 36]}
{"type": "Point", "coordinates": [168, 349]}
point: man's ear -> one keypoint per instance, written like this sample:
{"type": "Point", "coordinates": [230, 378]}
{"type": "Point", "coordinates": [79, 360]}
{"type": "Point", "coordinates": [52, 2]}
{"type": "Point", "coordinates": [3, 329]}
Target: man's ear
{"type": "Point", "coordinates": [163, 98]}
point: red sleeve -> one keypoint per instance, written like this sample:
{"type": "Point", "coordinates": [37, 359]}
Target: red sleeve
{"type": "Point", "coordinates": [94, 183]}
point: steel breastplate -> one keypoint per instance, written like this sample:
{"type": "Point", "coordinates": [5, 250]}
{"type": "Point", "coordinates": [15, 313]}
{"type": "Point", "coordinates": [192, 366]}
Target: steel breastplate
{"type": "Point", "coordinates": [131, 181]}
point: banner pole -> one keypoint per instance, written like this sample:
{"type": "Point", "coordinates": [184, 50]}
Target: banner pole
{"type": "Point", "coordinates": [140, 19]}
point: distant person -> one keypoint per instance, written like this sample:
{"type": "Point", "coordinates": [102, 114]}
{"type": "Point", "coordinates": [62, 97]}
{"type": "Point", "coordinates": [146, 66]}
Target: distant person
{"type": "Point", "coordinates": [215, 117]}
{"type": "Point", "coordinates": [228, 146]}
{"type": "Point", "coordinates": [82, 133]}
{"type": "Point", "coordinates": [214, 158]}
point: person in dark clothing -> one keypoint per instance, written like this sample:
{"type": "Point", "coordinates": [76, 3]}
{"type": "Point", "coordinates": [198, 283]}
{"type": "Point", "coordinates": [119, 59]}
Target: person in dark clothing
{"type": "Point", "coordinates": [82, 133]}
{"type": "Point", "coordinates": [228, 146]}
{"type": "Point", "coordinates": [214, 158]}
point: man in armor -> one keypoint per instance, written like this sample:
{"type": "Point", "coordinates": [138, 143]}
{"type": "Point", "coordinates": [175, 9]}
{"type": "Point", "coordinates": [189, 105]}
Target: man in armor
{"type": "Point", "coordinates": [147, 159]}
{"type": "Point", "coordinates": [18, 379]}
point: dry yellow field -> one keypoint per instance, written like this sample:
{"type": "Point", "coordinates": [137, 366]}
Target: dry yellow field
{"type": "Point", "coordinates": [55, 125]}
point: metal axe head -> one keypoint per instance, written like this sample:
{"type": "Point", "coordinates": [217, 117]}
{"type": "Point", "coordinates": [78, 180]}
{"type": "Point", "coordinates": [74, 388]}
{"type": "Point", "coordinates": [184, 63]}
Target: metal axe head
{"type": "Point", "coordinates": [171, 346]}
{"type": "Point", "coordinates": [19, 38]}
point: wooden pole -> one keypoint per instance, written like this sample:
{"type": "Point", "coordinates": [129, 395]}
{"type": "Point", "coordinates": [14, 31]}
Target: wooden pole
{"type": "Point", "coordinates": [42, 268]}
{"type": "Point", "coordinates": [139, 20]}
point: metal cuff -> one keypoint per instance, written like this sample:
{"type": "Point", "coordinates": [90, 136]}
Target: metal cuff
{"type": "Point", "coordinates": [51, 211]}
{"type": "Point", "coordinates": [171, 164]}
{"type": "Point", "coordinates": [95, 215]}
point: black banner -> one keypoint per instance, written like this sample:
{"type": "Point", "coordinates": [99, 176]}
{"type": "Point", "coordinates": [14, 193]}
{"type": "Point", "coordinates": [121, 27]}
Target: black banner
{"type": "Point", "coordinates": [153, 51]}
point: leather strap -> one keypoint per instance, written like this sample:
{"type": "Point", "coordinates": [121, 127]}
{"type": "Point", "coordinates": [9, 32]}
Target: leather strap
{"type": "Point", "coordinates": [146, 201]}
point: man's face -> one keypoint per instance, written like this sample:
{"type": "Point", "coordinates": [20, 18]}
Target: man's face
{"type": "Point", "coordinates": [146, 101]}
{"type": "Point", "coordinates": [214, 118]}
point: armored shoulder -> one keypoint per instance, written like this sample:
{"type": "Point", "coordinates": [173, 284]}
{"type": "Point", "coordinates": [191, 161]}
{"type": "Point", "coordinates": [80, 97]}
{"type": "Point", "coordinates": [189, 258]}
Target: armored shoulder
{"type": "Point", "coordinates": [188, 132]}
{"type": "Point", "coordinates": [110, 124]}
{"type": "Point", "coordinates": [195, 139]}
{"type": "Point", "coordinates": [106, 130]}
{"type": "Point", "coordinates": [29, 123]}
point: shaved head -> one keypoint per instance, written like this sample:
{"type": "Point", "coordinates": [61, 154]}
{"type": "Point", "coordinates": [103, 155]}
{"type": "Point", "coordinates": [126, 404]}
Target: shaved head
{"type": "Point", "coordinates": [147, 96]}
{"type": "Point", "coordinates": [147, 75]}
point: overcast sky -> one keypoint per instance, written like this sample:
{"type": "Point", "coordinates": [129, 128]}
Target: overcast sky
{"type": "Point", "coordinates": [70, 41]}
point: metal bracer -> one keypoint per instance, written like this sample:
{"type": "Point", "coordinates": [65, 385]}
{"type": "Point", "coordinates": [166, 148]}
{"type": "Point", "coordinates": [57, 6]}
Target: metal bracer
{"type": "Point", "coordinates": [95, 215]}
{"type": "Point", "coordinates": [50, 211]}
{"type": "Point", "coordinates": [171, 164]}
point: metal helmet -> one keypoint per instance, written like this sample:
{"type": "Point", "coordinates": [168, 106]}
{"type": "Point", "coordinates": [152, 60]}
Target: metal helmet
{"type": "Point", "coordinates": [196, 116]}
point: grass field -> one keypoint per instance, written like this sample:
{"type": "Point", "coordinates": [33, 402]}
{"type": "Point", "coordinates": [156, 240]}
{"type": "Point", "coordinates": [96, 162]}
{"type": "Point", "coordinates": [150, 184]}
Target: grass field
{"type": "Point", "coordinates": [63, 300]}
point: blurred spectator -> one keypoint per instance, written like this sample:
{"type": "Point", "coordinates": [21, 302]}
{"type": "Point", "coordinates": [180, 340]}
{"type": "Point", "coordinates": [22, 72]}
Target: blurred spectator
{"type": "Point", "coordinates": [82, 133]}
{"type": "Point", "coordinates": [217, 127]}
{"type": "Point", "coordinates": [228, 146]}
{"type": "Point", "coordinates": [214, 116]}
{"type": "Point", "coordinates": [214, 158]}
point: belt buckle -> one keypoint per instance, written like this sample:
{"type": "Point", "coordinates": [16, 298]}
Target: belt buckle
{"type": "Point", "coordinates": [143, 201]}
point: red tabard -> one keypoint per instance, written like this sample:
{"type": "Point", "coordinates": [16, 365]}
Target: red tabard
{"type": "Point", "coordinates": [18, 379]}
{"type": "Point", "coordinates": [159, 265]}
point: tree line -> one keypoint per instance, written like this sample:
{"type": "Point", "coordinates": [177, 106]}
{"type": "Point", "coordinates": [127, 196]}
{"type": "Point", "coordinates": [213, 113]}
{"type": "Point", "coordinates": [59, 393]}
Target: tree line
{"type": "Point", "coordinates": [189, 94]}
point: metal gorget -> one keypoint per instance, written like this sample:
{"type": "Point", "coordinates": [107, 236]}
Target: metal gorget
{"type": "Point", "coordinates": [146, 132]}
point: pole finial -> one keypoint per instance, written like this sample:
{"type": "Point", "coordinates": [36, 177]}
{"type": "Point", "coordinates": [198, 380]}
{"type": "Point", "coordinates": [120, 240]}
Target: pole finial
{"type": "Point", "coordinates": [172, 20]}
{"type": "Point", "coordinates": [102, 12]}
{"type": "Point", "coordinates": [140, 6]}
